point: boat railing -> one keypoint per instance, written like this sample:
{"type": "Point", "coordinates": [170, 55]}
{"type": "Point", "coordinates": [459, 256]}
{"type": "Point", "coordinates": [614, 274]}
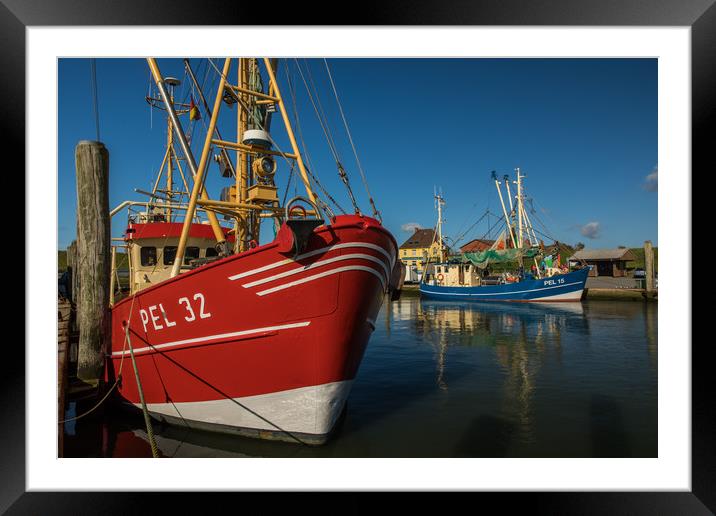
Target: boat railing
{"type": "Point", "coordinates": [116, 274]}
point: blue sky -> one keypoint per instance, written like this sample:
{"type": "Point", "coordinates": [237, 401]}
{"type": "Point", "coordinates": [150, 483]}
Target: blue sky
{"type": "Point", "coordinates": [584, 131]}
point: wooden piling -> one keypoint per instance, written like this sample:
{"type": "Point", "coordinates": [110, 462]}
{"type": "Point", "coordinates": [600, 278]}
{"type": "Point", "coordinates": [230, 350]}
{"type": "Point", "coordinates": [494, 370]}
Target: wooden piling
{"type": "Point", "coordinates": [649, 266]}
{"type": "Point", "coordinates": [93, 257]}
{"type": "Point", "coordinates": [64, 309]}
{"type": "Point", "coordinates": [74, 279]}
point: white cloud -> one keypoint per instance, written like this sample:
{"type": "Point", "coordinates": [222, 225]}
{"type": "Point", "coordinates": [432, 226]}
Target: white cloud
{"type": "Point", "coordinates": [590, 230]}
{"type": "Point", "coordinates": [410, 227]}
{"type": "Point", "coordinates": [651, 182]}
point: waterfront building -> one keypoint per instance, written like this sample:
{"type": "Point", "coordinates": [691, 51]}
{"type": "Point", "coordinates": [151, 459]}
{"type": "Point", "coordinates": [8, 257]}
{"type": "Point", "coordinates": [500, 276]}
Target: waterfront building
{"type": "Point", "coordinates": [604, 262]}
{"type": "Point", "coordinates": [419, 248]}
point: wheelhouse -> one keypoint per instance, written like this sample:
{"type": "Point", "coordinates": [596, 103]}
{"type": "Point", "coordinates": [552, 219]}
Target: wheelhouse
{"type": "Point", "coordinates": [152, 249]}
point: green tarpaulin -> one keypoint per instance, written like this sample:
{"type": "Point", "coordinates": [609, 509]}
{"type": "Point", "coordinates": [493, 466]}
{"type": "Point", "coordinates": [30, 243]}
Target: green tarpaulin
{"type": "Point", "coordinates": [482, 259]}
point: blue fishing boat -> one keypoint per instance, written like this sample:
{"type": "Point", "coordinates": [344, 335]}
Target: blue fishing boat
{"type": "Point", "coordinates": [540, 277]}
{"type": "Point", "coordinates": [560, 287]}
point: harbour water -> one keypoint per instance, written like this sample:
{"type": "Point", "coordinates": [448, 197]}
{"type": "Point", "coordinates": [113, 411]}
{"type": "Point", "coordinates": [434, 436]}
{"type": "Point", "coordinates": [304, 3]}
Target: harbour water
{"type": "Point", "coordinates": [462, 380]}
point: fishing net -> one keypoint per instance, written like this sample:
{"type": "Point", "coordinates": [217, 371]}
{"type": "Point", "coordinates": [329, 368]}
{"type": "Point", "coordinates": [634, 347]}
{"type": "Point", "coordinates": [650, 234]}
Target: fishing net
{"type": "Point", "coordinates": [482, 259]}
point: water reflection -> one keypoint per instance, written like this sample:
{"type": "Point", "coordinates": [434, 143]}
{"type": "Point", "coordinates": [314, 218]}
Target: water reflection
{"type": "Point", "coordinates": [464, 380]}
{"type": "Point", "coordinates": [519, 334]}
{"type": "Point", "coordinates": [651, 334]}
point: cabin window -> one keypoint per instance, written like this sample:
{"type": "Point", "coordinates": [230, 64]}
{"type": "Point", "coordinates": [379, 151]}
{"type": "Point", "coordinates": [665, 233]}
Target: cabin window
{"type": "Point", "coordinates": [191, 253]}
{"type": "Point", "coordinates": [170, 252]}
{"type": "Point", "coordinates": [210, 252]}
{"type": "Point", "coordinates": [148, 256]}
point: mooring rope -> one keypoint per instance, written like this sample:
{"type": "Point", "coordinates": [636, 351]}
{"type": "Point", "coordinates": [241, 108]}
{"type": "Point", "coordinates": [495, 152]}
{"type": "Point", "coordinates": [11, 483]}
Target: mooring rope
{"type": "Point", "coordinates": [147, 422]}
{"type": "Point", "coordinates": [219, 391]}
{"type": "Point", "coordinates": [116, 380]}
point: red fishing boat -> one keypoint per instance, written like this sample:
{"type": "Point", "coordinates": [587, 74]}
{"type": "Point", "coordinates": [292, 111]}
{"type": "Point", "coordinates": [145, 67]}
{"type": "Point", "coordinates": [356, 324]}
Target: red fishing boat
{"type": "Point", "coordinates": [228, 335]}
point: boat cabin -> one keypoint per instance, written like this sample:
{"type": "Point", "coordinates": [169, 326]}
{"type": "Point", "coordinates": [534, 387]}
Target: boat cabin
{"type": "Point", "coordinates": [453, 275]}
{"type": "Point", "coordinates": [152, 248]}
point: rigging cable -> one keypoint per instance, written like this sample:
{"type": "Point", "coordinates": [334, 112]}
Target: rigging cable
{"type": "Point", "coordinates": [309, 165]}
{"type": "Point", "coordinates": [326, 130]}
{"type": "Point", "coordinates": [376, 213]}
{"type": "Point", "coordinates": [464, 233]}
{"type": "Point", "coordinates": [322, 115]}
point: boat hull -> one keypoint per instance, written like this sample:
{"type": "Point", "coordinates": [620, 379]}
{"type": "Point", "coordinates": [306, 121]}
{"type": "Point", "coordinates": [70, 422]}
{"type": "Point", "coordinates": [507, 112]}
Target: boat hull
{"type": "Point", "coordinates": [559, 288]}
{"type": "Point", "coordinates": [259, 343]}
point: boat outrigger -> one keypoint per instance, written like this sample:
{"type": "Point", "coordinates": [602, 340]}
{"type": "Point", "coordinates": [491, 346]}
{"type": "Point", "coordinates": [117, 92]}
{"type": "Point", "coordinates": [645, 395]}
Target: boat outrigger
{"type": "Point", "coordinates": [229, 335]}
{"type": "Point", "coordinates": [468, 277]}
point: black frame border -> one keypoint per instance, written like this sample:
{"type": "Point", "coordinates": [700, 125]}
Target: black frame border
{"type": "Point", "coordinates": [700, 15]}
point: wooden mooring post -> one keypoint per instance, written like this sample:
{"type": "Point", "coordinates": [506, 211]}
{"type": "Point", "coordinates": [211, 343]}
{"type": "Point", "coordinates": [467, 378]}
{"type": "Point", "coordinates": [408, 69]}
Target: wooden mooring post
{"type": "Point", "coordinates": [93, 258]}
{"type": "Point", "coordinates": [649, 267]}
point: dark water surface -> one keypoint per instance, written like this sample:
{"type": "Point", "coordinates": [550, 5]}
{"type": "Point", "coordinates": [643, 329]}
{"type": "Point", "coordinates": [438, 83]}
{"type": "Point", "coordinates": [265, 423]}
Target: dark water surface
{"type": "Point", "coordinates": [477, 380]}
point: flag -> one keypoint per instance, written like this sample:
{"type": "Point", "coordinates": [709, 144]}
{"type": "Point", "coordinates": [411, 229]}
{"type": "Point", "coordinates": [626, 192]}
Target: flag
{"type": "Point", "coordinates": [500, 242]}
{"type": "Point", "coordinates": [193, 111]}
{"type": "Point", "coordinates": [558, 262]}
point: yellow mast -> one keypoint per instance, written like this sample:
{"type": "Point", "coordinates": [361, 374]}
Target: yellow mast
{"type": "Point", "coordinates": [246, 206]}
{"type": "Point", "coordinates": [170, 149]}
{"type": "Point", "coordinates": [242, 157]}
{"type": "Point", "coordinates": [289, 130]}
{"type": "Point", "coordinates": [200, 169]}
{"type": "Point", "coordinates": [218, 232]}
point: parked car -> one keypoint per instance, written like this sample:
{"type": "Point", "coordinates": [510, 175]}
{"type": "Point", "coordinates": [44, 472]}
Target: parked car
{"type": "Point", "coordinates": [639, 273]}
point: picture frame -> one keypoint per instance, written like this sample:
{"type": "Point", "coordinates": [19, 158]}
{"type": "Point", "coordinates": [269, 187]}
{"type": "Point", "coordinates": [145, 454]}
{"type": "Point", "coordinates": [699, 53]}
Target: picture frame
{"type": "Point", "coordinates": [700, 15]}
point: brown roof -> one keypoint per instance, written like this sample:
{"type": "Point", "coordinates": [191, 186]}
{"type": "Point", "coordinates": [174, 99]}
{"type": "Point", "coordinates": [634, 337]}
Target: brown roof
{"type": "Point", "coordinates": [478, 244]}
{"type": "Point", "coordinates": [603, 254]}
{"type": "Point", "coordinates": [420, 239]}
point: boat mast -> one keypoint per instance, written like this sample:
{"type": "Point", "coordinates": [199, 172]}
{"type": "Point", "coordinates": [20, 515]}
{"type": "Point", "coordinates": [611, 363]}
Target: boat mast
{"type": "Point", "coordinates": [242, 157]}
{"type": "Point", "coordinates": [294, 145]}
{"type": "Point", "coordinates": [197, 172]}
{"type": "Point", "coordinates": [519, 207]}
{"type": "Point", "coordinates": [440, 201]}
{"type": "Point", "coordinates": [529, 229]}
{"type": "Point", "coordinates": [502, 202]}
{"type": "Point", "coordinates": [170, 146]}
{"type": "Point", "coordinates": [169, 154]}
{"type": "Point", "coordinates": [250, 201]}
{"type": "Point", "coordinates": [509, 194]}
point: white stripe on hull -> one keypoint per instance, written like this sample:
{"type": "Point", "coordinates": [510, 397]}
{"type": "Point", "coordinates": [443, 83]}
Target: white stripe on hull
{"type": "Point", "coordinates": [306, 410]}
{"type": "Point", "coordinates": [315, 252]}
{"type": "Point", "coordinates": [575, 295]}
{"type": "Point", "coordinates": [214, 337]}
{"type": "Point", "coordinates": [320, 263]}
{"type": "Point", "coordinates": [473, 294]}
{"type": "Point", "coordinates": [323, 275]}
{"type": "Point", "coordinates": [569, 296]}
